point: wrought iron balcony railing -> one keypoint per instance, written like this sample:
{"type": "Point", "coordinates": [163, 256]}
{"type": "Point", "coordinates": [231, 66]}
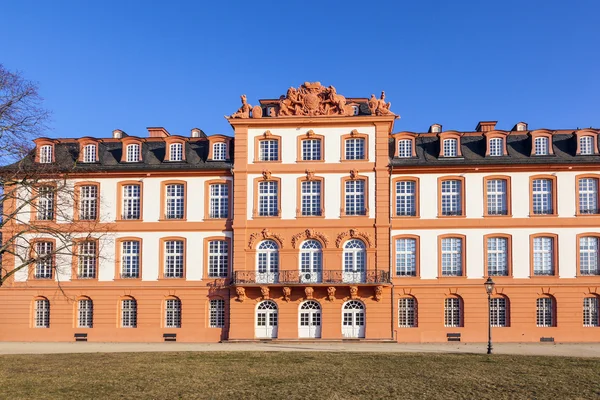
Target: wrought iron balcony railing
{"type": "Point", "coordinates": [307, 278]}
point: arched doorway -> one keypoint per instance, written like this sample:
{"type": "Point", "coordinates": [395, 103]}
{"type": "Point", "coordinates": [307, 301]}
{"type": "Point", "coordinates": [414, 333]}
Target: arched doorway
{"type": "Point", "coordinates": [309, 320]}
{"type": "Point", "coordinates": [266, 320]}
{"type": "Point", "coordinates": [353, 319]}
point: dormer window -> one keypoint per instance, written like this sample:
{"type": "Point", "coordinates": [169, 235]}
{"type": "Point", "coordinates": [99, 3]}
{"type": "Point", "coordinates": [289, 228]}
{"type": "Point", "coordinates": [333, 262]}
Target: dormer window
{"type": "Point", "coordinates": [435, 128]}
{"type": "Point", "coordinates": [46, 154]}
{"type": "Point", "coordinates": [450, 147]}
{"type": "Point", "coordinates": [176, 152]}
{"type": "Point", "coordinates": [521, 127]}
{"type": "Point", "coordinates": [496, 147]}
{"type": "Point", "coordinates": [405, 148]}
{"type": "Point", "coordinates": [219, 151]}
{"type": "Point", "coordinates": [133, 153]}
{"type": "Point", "coordinates": [541, 146]}
{"type": "Point", "coordinates": [89, 153]}
{"type": "Point", "coordinates": [355, 110]}
{"type": "Point", "coordinates": [586, 145]}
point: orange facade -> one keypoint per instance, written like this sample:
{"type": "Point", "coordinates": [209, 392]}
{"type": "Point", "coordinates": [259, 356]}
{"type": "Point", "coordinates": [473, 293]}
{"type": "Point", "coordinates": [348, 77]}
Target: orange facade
{"type": "Point", "coordinates": [315, 241]}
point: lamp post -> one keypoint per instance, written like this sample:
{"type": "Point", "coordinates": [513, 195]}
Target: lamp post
{"type": "Point", "coordinates": [489, 288]}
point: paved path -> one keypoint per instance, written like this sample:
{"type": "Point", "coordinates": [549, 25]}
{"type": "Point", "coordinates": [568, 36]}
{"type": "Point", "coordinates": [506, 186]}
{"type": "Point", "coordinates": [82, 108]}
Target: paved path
{"type": "Point", "coordinates": [573, 349]}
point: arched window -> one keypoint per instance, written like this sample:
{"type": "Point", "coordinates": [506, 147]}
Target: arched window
{"type": "Point", "coordinates": [41, 317]}
{"type": "Point", "coordinates": [541, 146]}
{"type": "Point", "coordinates": [219, 151]}
{"type": "Point", "coordinates": [266, 319]}
{"type": "Point", "coordinates": [496, 147]}
{"type": "Point", "coordinates": [173, 313]}
{"type": "Point", "coordinates": [586, 145]}
{"type": "Point", "coordinates": [267, 262]}
{"type": "Point", "coordinates": [353, 319]}
{"type": "Point", "coordinates": [309, 319]}
{"type": "Point", "coordinates": [311, 261]}
{"type": "Point", "coordinates": [405, 148]}
{"type": "Point", "coordinates": [129, 313]}
{"type": "Point", "coordinates": [133, 153]}
{"type": "Point", "coordinates": [355, 261]}
{"type": "Point", "coordinates": [499, 312]}
{"type": "Point", "coordinates": [453, 312]}
{"type": "Point", "coordinates": [545, 312]}
{"type": "Point", "coordinates": [450, 147]}
{"type": "Point", "coordinates": [46, 154]}
{"type": "Point", "coordinates": [176, 152]}
{"type": "Point", "coordinates": [89, 153]}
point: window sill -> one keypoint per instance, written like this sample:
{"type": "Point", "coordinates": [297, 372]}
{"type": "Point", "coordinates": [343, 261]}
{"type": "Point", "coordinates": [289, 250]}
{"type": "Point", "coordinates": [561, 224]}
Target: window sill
{"type": "Point", "coordinates": [172, 220]}
{"type": "Point", "coordinates": [587, 215]}
{"type": "Point", "coordinates": [267, 162]}
{"type": "Point", "coordinates": [543, 276]}
{"type": "Point", "coordinates": [497, 215]}
{"type": "Point", "coordinates": [129, 220]}
{"type": "Point", "coordinates": [452, 216]}
{"type": "Point", "coordinates": [543, 215]}
{"type": "Point", "coordinates": [299, 216]}
{"type": "Point", "coordinates": [309, 161]}
{"type": "Point", "coordinates": [120, 278]}
{"type": "Point", "coordinates": [406, 216]}
{"type": "Point", "coordinates": [266, 217]}
{"type": "Point", "coordinates": [163, 278]}
{"type": "Point", "coordinates": [359, 160]}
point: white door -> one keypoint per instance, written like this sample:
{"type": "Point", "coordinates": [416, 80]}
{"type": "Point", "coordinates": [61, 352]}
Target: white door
{"type": "Point", "coordinates": [310, 320]}
{"type": "Point", "coordinates": [266, 320]}
{"type": "Point", "coordinates": [311, 260]}
{"type": "Point", "coordinates": [353, 319]}
{"type": "Point", "coordinates": [354, 262]}
{"type": "Point", "coordinates": [267, 262]}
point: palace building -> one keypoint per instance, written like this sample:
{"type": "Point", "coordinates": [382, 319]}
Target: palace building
{"type": "Point", "coordinates": [315, 220]}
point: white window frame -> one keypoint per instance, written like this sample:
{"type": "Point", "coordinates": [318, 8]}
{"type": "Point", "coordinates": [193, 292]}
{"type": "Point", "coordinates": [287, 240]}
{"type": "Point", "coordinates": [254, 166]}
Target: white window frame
{"type": "Point", "coordinates": [46, 198]}
{"type": "Point", "coordinates": [132, 202]}
{"type": "Point", "coordinates": [219, 151]}
{"type": "Point", "coordinates": [355, 256]}
{"type": "Point", "coordinates": [355, 197]}
{"type": "Point", "coordinates": [310, 198]}
{"type": "Point", "coordinates": [130, 259]}
{"type": "Point", "coordinates": [354, 149]}
{"type": "Point", "coordinates": [88, 202]}
{"type": "Point", "coordinates": [176, 152]}
{"type": "Point", "coordinates": [450, 147]}
{"type": "Point", "coordinates": [174, 261]}
{"type": "Point", "coordinates": [497, 199]}
{"type": "Point", "coordinates": [133, 152]}
{"type": "Point", "coordinates": [407, 312]}
{"type": "Point", "coordinates": [128, 313]}
{"type": "Point", "coordinates": [311, 149]}
{"type": "Point", "coordinates": [498, 312]}
{"type": "Point", "coordinates": [588, 195]}
{"type": "Point", "coordinates": [44, 265]}
{"type": "Point", "coordinates": [406, 257]}
{"type": "Point", "coordinates": [589, 258]}
{"type": "Point", "coordinates": [451, 197]}
{"type": "Point", "coordinates": [545, 312]}
{"type": "Point", "coordinates": [46, 154]}
{"type": "Point", "coordinates": [42, 313]}
{"type": "Point", "coordinates": [267, 261]}
{"type": "Point", "coordinates": [311, 258]}
{"type": "Point", "coordinates": [542, 193]}
{"type": "Point", "coordinates": [218, 258]}
{"type": "Point", "coordinates": [453, 311]}
{"type": "Point", "coordinates": [541, 146]}
{"type": "Point", "coordinates": [590, 311]}
{"type": "Point", "coordinates": [496, 147]}
{"type": "Point", "coordinates": [544, 263]}
{"type": "Point", "coordinates": [87, 265]}
{"type": "Point", "coordinates": [268, 150]}
{"type": "Point", "coordinates": [216, 313]}
{"type": "Point", "coordinates": [268, 199]}
{"type": "Point", "coordinates": [219, 200]}
{"type": "Point", "coordinates": [173, 313]}
{"type": "Point", "coordinates": [586, 145]}
{"type": "Point", "coordinates": [175, 201]}
{"type": "Point", "coordinates": [89, 153]}
{"type": "Point", "coordinates": [85, 313]}
{"type": "Point", "coordinates": [452, 256]}
{"type": "Point", "coordinates": [497, 256]}
{"type": "Point", "coordinates": [405, 148]}
{"type": "Point", "coordinates": [406, 198]}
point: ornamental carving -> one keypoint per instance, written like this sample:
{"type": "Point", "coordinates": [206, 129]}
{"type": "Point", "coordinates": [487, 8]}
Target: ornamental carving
{"type": "Point", "coordinates": [354, 233]}
{"type": "Point", "coordinates": [287, 292]}
{"type": "Point", "coordinates": [312, 99]}
{"type": "Point", "coordinates": [243, 111]}
{"type": "Point", "coordinates": [379, 106]}
{"type": "Point", "coordinates": [354, 292]}
{"type": "Point", "coordinates": [266, 175]}
{"type": "Point", "coordinates": [310, 174]}
{"type": "Point", "coordinates": [354, 133]}
{"type": "Point", "coordinates": [264, 234]}
{"type": "Point", "coordinates": [354, 174]}
{"type": "Point", "coordinates": [378, 293]}
{"type": "Point", "coordinates": [267, 134]}
{"type": "Point", "coordinates": [309, 234]}
{"type": "Point", "coordinates": [331, 293]}
{"type": "Point", "coordinates": [310, 133]}
{"type": "Point", "coordinates": [309, 292]}
{"type": "Point", "coordinates": [264, 291]}
{"type": "Point", "coordinates": [241, 294]}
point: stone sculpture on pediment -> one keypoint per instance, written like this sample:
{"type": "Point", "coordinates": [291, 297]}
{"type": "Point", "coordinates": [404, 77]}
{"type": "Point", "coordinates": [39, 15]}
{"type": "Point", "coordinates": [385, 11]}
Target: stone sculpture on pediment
{"type": "Point", "coordinates": [244, 110]}
{"type": "Point", "coordinates": [379, 106]}
{"type": "Point", "coordinates": [311, 99]}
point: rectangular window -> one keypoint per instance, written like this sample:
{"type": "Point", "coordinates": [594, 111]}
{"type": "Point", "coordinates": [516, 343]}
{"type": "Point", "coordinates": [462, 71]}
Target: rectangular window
{"type": "Point", "coordinates": [219, 201]}
{"type": "Point", "coordinates": [88, 202]}
{"type": "Point", "coordinates": [217, 313]}
{"type": "Point", "coordinates": [42, 313]}
{"type": "Point", "coordinates": [355, 197]}
{"type": "Point", "coordinates": [451, 197]}
{"type": "Point", "coordinates": [543, 256]}
{"type": "Point", "coordinates": [588, 255]}
{"type": "Point", "coordinates": [496, 147]}
{"type": "Point", "coordinates": [218, 259]}
{"type": "Point", "coordinates": [497, 203]}
{"type": "Point", "coordinates": [175, 201]}
{"type": "Point", "coordinates": [590, 311]}
{"type": "Point", "coordinates": [497, 256]}
{"type": "Point", "coordinates": [46, 154]}
{"type": "Point", "coordinates": [131, 201]}
{"type": "Point", "coordinates": [173, 313]}
{"type": "Point", "coordinates": [450, 148]}
{"type": "Point", "coordinates": [406, 257]}
{"type": "Point", "coordinates": [498, 312]}
{"type": "Point", "coordinates": [452, 257]}
{"type": "Point", "coordinates": [130, 259]}
{"type": "Point", "coordinates": [545, 312]}
{"type": "Point", "coordinates": [588, 196]}
{"type": "Point", "coordinates": [174, 259]}
{"type": "Point", "coordinates": [542, 196]}
{"type": "Point", "coordinates": [407, 313]}
{"type": "Point", "coordinates": [541, 146]}
{"type": "Point", "coordinates": [405, 199]}
{"type": "Point", "coordinates": [268, 199]}
{"type": "Point", "coordinates": [86, 253]}
{"type": "Point", "coordinates": [219, 151]}
{"type": "Point", "coordinates": [586, 145]}
{"type": "Point", "coordinates": [311, 198]}
{"type": "Point", "coordinates": [89, 153]}
{"type": "Point", "coordinates": [268, 150]}
{"type": "Point", "coordinates": [85, 315]}
{"type": "Point", "coordinates": [355, 149]}
{"type": "Point", "coordinates": [452, 312]}
{"type": "Point", "coordinates": [45, 257]}
{"type": "Point", "coordinates": [311, 150]}
{"type": "Point", "coordinates": [405, 148]}
{"type": "Point", "coordinates": [176, 152]}
{"type": "Point", "coordinates": [133, 153]}
{"type": "Point", "coordinates": [128, 313]}
{"type": "Point", "coordinates": [45, 203]}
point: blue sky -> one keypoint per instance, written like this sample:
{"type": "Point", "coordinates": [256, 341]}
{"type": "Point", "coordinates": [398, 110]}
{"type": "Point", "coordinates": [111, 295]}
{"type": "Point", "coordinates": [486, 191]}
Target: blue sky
{"type": "Point", "coordinates": [104, 65]}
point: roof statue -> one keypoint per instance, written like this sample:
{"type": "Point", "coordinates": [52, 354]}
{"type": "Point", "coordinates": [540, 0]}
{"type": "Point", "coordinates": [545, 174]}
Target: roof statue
{"type": "Point", "coordinates": [313, 99]}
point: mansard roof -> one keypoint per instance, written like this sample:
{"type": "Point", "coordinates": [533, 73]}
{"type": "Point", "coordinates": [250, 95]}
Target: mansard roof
{"type": "Point", "coordinates": [474, 145]}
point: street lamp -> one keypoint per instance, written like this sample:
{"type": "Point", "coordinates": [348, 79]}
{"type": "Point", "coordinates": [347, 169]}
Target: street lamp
{"type": "Point", "coordinates": [489, 288]}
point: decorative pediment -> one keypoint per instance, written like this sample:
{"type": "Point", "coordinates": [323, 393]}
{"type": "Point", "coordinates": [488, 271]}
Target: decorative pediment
{"type": "Point", "coordinates": [309, 234]}
{"type": "Point", "coordinates": [264, 234]}
{"type": "Point", "coordinates": [354, 233]}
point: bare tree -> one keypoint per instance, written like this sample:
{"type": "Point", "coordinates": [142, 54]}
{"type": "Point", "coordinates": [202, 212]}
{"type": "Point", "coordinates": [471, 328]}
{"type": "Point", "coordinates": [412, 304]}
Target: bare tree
{"type": "Point", "coordinates": [42, 224]}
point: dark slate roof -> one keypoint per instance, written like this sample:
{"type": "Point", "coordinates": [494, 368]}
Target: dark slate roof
{"type": "Point", "coordinates": [473, 148]}
{"type": "Point", "coordinates": [109, 156]}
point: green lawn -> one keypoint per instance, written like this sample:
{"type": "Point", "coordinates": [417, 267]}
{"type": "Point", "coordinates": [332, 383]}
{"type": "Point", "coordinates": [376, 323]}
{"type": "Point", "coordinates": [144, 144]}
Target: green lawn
{"type": "Point", "coordinates": [283, 376]}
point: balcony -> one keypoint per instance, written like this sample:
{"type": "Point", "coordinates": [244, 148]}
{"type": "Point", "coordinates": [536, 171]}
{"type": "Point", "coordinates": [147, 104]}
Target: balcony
{"type": "Point", "coordinates": [329, 277]}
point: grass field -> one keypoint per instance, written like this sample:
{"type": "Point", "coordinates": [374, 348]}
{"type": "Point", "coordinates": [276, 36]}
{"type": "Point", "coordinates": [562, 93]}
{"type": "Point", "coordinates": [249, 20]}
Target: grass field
{"type": "Point", "coordinates": [285, 375]}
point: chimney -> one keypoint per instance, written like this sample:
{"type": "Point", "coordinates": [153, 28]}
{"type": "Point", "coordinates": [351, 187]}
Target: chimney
{"type": "Point", "coordinates": [435, 128]}
{"type": "Point", "coordinates": [158, 132]}
{"type": "Point", "coordinates": [486, 126]}
{"type": "Point", "coordinates": [197, 133]}
{"type": "Point", "coordinates": [118, 134]}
